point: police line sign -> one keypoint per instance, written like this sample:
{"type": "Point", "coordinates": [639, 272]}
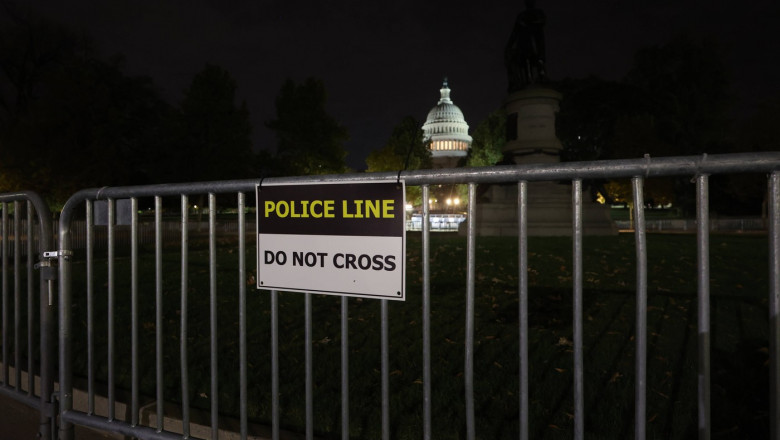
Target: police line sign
{"type": "Point", "coordinates": [336, 238]}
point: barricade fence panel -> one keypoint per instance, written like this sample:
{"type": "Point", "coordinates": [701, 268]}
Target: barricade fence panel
{"type": "Point", "coordinates": [170, 339]}
{"type": "Point", "coordinates": [27, 304]}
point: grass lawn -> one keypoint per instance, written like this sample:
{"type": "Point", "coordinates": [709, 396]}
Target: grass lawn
{"type": "Point", "coordinates": [739, 339]}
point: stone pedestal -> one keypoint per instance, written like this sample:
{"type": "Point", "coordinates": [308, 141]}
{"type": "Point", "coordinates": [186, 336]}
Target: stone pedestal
{"type": "Point", "coordinates": [531, 139]}
{"type": "Point", "coordinates": [530, 124]}
{"type": "Point", "coordinates": [549, 211]}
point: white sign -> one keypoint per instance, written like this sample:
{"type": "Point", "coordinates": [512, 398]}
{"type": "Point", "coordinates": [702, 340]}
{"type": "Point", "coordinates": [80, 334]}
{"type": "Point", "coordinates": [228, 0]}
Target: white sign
{"type": "Point", "coordinates": [337, 238]}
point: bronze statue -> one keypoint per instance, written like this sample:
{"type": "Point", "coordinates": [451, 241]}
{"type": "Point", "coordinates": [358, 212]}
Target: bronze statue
{"type": "Point", "coordinates": [524, 53]}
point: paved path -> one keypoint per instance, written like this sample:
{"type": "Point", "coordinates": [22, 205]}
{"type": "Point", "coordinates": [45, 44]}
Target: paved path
{"type": "Point", "coordinates": [19, 422]}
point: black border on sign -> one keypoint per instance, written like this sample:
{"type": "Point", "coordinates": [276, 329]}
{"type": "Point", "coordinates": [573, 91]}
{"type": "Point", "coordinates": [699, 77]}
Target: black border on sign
{"type": "Point", "coordinates": [401, 297]}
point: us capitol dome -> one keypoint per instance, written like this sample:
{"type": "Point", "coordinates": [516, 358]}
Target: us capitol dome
{"type": "Point", "coordinates": [447, 130]}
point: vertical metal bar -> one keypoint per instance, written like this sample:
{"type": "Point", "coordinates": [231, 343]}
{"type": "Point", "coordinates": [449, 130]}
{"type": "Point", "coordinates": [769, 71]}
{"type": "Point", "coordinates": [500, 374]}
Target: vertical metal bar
{"type": "Point", "coordinates": [703, 252]}
{"type": "Point", "coordinates": [344, 368]}
{"type": "Point", "coordinates": [185, 387]}
{"type": "Point", "coordinates": [4, 256]}
{"type": "Point", "coordinates": [111, 286]}
{"type": "Point", "coordinates": [640, 407]}
{"type": "Point", "coordinates": [90, 308]}
{"type": "Point", "coordinates": [468, 373]}
{"type": "Point", "coordinates": [426, 312]}
{"type": "Point", "coordinates": [274, 365]}
{"type": "Point", "coordinates": [158, 311]}
{"type": "Point", "coordinates": [46, 310]}
{"type": "Point", "coordinates": [579, 400]}
{"type": "Point", "coordinates": [774, 305]}
{"type": "Point", "coordinates": [308, 361]}
{"type": "Point", "coordinates": [65, 327]}
{"type": "Point", "coordinates": [385, 355]}
{"type": "Point", "coordinates": [134, 406]}
{"type": "Point", "coordinates": [242, 314]}
{"type": "Point", "coordinates": [17, 300]}
{"type": "Point", "coordinates": [30, 302]}
{"type": "Point", "coordinates": [522, 276]}
{"type": "Point", "coordinates": [213, 315]}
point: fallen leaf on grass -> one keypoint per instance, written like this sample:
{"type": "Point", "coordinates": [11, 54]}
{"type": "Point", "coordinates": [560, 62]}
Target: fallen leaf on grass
{"type": "Point", "coordinates": [560, 370]}
{"type": "Point", "coordinates": [661, 394]}
{"type": "Point", "coordinates": [564, 342]}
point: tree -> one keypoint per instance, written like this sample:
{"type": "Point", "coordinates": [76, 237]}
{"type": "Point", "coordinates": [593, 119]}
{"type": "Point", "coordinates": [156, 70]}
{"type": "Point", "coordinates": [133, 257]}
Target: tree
{"type": "Point", "coordinates": [687, 87]}
{"type": "Point", "coordinates": [489, 137]}
{"type": "Point", "coordinates": [590, 113]}
{"type": "Point", "coordinates": [213, 140]}
{"type": "Point", "coordinates": [674, 101]}
{"type": "Point", "coordinates": [310, 141]}
{"type": "Point", "coordinates": [748, 193]}
{"type": "Point", "coordinates": [404, 150]}
{"type": "Point", "coordinates": [70, 119]}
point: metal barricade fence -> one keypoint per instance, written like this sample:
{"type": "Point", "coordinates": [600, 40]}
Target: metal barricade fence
{"type": "Point", "coordinates": [132, 424]}
{"type": "Point", "coordinates": [29, 233]}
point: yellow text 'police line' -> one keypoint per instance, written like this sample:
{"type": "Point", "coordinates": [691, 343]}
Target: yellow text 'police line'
{"type": "Point", "coordinates": [380, 208]}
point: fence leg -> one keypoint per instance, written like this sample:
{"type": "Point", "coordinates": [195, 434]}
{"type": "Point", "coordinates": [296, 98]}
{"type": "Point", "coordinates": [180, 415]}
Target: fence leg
{"type": "Point", "coordinates": [579, 393]}
{"type": "Point", "coordinates": [468, 373]}
{"type": "Point", "coordinates": [522, 223]}
{"type": "Point", "coordinates": [703, 240]}
{"type": "Point", "coordinates": [774, 305]}
{"type": "Point", "coordinates": [641, 311]}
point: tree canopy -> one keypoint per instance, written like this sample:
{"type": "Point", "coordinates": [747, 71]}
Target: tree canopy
{"type": "Point", "coordinates": [672, 102]}
{"type": "Point", "coordinates": [72, 119]}
{"type": "Point", "coordinates": [69, 118]}
{"type": "Point", "coordinates": [310, 141]}
{"type": "Point", "coordinates": [404, 150]}
{"type": "Point", "coordinates": [489, 137]}
{"type": "Point", "coordinates": [213, 133]}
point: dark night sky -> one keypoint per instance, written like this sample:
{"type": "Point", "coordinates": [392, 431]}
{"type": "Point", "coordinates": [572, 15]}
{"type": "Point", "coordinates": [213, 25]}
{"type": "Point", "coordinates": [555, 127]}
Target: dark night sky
{"type": "Point", "coordinates": [382, 61]}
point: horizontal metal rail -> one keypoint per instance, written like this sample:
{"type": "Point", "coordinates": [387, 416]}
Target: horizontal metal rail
{"type": "Point", "coordinates": [628, 168]}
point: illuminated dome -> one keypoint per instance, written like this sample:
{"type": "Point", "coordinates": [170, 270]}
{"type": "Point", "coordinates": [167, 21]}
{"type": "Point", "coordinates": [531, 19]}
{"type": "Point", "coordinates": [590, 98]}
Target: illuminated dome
{"type": "Point", "coordinates": [447, 130]}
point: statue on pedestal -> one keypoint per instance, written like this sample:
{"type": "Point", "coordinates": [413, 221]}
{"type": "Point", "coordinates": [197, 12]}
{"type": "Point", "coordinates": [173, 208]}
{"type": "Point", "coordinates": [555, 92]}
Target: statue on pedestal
{"type": "Point", "coordinates": [531, 141]}
{"type": "Point", "coordinates": [524, 52]}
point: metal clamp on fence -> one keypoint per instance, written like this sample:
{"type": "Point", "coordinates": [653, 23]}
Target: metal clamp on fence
{"type": "Point", "coordinates": [56, 254]}
{"type": "Point", "coordinates": [48, 269]}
